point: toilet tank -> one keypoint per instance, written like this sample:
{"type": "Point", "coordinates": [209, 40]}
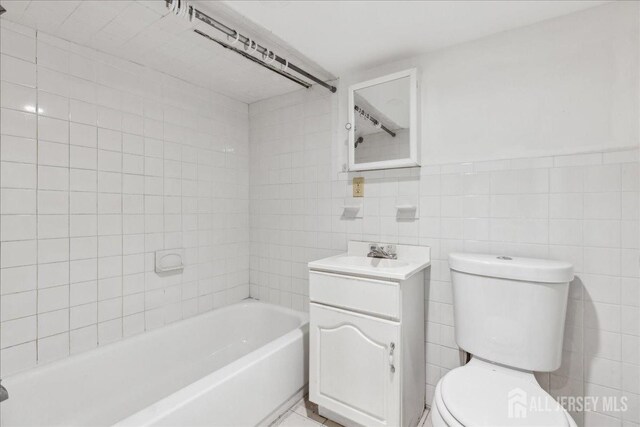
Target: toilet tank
{"type": "Point", "coordinates": [510, 310]}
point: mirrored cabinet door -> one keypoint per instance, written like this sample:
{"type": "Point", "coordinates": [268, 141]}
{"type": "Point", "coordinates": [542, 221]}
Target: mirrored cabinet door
{"type": "Point", "coordinates": [383, 122]}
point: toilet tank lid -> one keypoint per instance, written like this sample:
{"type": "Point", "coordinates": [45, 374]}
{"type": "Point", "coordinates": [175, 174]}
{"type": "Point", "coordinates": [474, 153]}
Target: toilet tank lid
{"type": "Point", "coordinates": [515, 268]}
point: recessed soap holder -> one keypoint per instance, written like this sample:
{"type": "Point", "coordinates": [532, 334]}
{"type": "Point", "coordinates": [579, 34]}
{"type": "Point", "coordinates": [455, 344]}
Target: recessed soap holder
{"type": "Point", "coordinates": [169, 261]}
{"type": "Point", "coordinates": [407, 210]}
{"type": "Point", "coordinates": [352, 211]}
{"type": "Point", "coordinates": [406, 207]}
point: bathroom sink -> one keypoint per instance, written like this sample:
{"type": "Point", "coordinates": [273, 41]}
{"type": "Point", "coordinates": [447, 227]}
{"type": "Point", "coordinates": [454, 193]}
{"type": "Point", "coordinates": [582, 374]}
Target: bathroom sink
{"type": "Point", "coordinates": [361, 261]}
{"type": "Point", "coordinates": [355, 261]}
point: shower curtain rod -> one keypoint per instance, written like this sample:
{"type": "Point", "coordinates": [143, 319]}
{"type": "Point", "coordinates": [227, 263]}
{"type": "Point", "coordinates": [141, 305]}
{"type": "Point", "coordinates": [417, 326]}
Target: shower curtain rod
{"type": "Point", "coordinates": [374, 120]}
{"type": "Point", "coordinates": [230, 32]}
{"type": "Point", "coordinates": [256, 60]}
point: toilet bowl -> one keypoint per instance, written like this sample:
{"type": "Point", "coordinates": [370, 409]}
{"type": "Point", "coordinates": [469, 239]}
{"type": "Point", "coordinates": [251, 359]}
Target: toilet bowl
{"type": "Point", "coordinates": [485, 394]}
{"type": "Point", "coordinates": [509, 314]}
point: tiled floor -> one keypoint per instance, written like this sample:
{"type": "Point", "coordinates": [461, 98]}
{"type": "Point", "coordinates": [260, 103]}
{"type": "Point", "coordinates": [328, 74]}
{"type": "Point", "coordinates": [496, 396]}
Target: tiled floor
{"type": "Point", "coordinates": [305, 414]}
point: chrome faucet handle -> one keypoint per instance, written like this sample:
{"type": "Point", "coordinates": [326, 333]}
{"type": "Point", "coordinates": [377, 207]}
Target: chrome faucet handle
{"type": "Point", "coordinates": [380, 251]}
{"type": "Point", "coordinates": [390, 251]}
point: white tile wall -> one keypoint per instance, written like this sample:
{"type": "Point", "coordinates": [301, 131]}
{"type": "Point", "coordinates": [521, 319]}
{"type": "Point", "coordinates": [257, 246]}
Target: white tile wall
{"type": "Point", "coordinates": [582, 208]}
{"type": "Point", "coordinates": [102, 163]}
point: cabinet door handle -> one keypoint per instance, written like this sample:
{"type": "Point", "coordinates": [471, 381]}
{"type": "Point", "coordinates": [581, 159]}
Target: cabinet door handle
{"type": "Point", "coordinates": [392, 347]}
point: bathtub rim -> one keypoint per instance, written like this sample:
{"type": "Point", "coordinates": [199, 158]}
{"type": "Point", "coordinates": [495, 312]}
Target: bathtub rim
{"type": "Point", "coordinates": [54, 364]}
{"type": "Point", "coordinates": [198, 388]}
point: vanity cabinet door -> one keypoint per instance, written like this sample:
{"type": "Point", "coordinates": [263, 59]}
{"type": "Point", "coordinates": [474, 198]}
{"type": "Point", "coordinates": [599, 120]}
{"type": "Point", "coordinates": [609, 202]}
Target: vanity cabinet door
{"type": "Point", "coordinates": [354, 365]}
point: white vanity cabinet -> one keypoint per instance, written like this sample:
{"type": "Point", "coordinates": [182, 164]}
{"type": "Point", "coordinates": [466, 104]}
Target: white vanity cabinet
{"type": "Point", "coordinates": [367, 363]}
{"type": "Point", "coordinates": [352, 365]}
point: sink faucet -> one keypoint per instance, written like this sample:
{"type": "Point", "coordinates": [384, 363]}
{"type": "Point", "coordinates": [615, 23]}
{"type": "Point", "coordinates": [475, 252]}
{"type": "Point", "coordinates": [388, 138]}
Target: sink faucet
{"type": "Point", "coordinates": [4, 394]}
{"type": "Point", "coordinates": [379, 251]}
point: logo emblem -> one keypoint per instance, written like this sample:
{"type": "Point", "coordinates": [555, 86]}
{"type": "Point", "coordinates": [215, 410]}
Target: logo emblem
{"type": "Point", "coordinates": [517, 403]}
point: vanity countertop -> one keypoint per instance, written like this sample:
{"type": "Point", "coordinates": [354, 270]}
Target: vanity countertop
{"type": "Point", "coordinates": [410, 260]}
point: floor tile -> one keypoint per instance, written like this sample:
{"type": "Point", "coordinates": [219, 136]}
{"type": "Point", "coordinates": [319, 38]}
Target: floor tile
{"type": "Point", "coordinates": [305, 414]}
{"type": "Point", "coordinates": [423, 419]}
{"type": "Point", "coordinates": [308, 409]}
{"type": "Point", "coordinates": [293, 419]}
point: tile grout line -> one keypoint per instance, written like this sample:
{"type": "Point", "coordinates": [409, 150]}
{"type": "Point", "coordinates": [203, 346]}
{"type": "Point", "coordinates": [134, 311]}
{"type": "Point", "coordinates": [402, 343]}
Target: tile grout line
{"type": "Point", "coordinates": [582, 297]}
{"type": "Point", "coordinates": [164, 222]}
{"type": "Point", "coordinates": [144, 215]}
{"type": "Point", "coordinates": [37, 206]}
{"type": "Point", "coordinates": [122, 230]}
{"type": "Point", "coordinates": [182, 231]}
{"type": "Point", "coordinates": [97, 216]}
{"type": "Point", "coordinates": [621, 363]}
{"type": "Point", "coordinates": [68, 101]}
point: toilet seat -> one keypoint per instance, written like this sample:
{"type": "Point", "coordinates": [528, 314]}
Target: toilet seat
{"type": "Point", "coordinates": [439, 409]}
{"type": "Point", "coordinates": [479, 394]}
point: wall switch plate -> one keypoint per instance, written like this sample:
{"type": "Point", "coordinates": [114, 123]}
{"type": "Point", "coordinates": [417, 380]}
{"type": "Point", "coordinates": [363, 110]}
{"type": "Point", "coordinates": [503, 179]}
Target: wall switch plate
{"type": "Point", "coordinates": [358, 186]}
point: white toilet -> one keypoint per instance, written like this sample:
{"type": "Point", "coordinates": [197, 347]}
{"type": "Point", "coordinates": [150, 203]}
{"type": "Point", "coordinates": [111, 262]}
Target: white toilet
{"type": "Point", "coordinates": [509, 314]}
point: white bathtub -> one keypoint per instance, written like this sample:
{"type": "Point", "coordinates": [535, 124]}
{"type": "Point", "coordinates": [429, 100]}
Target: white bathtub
{"type": "Point", "coordinates": [230, 367]}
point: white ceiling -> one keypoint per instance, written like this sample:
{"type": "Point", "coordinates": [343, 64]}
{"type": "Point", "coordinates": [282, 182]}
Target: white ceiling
{"type": "Point", "coordinates": [341, 35]}
{"type": "Point", "coordinates": [146, 33]}
{"type": "Point", "coordinates": [338, 35]}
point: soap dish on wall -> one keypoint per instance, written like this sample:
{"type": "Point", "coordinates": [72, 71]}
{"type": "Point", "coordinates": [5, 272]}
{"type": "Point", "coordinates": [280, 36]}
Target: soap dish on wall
{"type": "Point", "coordinates": [352, 211]}
{"type": "Point", "coordinates": [406, 211]}
{"type": "Point", "coordinates": [406, 207]}
{"type": "Point", "coordinates": [169, 261]}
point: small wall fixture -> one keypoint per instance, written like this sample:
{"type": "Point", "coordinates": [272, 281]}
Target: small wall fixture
{"type": "Point", "coordinates": [169, 261]}
{"type": "Point", "coordinates": [406, 209]}
{"type": "Point", "coordinates": [352, 211]}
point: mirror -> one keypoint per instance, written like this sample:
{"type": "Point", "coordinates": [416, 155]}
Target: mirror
{"type": "Point", "coordinates": [383, 118]}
